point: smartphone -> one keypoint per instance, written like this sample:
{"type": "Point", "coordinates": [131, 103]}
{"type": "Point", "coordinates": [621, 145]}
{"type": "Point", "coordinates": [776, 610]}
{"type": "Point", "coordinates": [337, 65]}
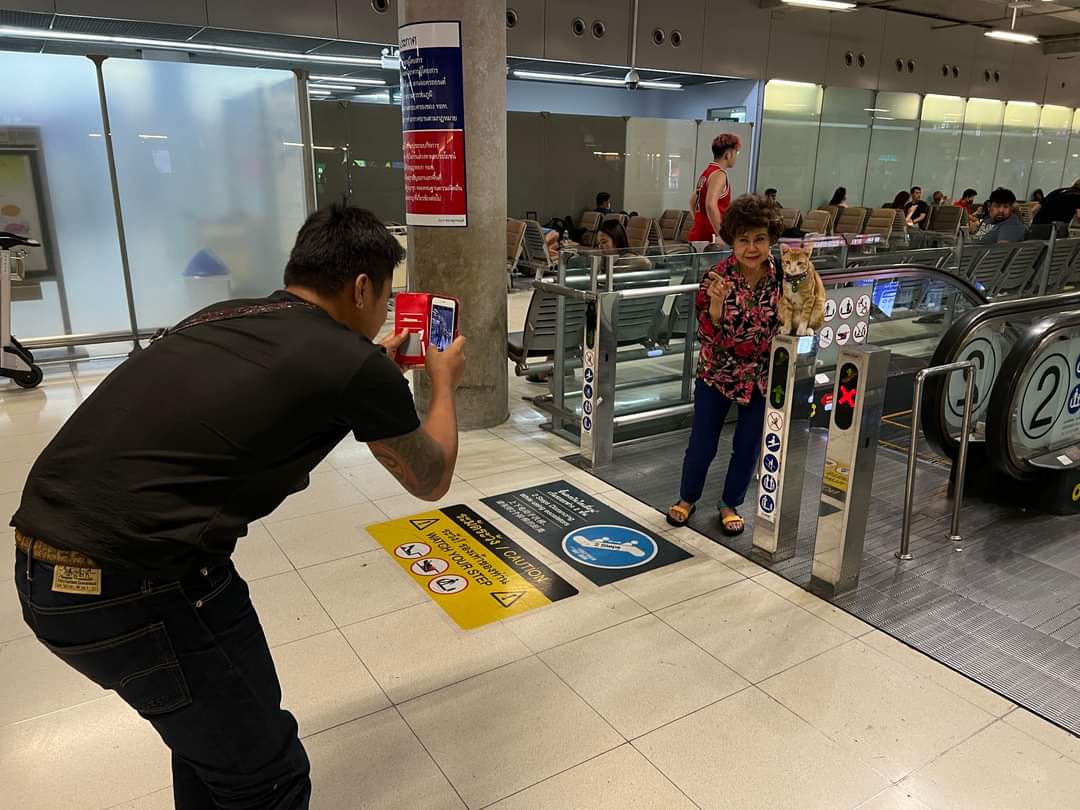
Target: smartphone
{"type": "Point", "coordinates": [443, 322]}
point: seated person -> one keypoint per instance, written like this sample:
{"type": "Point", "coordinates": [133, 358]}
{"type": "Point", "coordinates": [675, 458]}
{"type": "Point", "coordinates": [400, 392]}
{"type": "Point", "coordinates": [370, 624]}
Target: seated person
{"type": "Point", "coordinates": [939, 198]}
{"type": "Point", "coordinates": [1062, 205]}
{"type": "Point", "coordinates": [967, 201]}
{"type": "Point", "coordinates": [839, 198]}
{"type": "Point", "coordinates": [918, 212]}
{"type": "Point", "coordinates": [770, 195]}
{"type": "Point", "coordinates": [1002, 224]}
{"type": "Point", "coordinates": [612, 238]}
{"type": "Point", "coordinates": [603, 204]}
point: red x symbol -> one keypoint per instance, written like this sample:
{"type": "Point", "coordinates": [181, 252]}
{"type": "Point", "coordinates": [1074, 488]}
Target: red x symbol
{"type": "Point", "coordinates": [847, 395]}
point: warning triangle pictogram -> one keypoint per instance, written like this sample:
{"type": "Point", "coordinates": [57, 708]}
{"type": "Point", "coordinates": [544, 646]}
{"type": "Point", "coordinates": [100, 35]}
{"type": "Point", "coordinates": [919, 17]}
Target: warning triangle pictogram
{"type": "Point", "coordinates": [507, 598]}
{"type": "Point", "coordinates": [423, 523]}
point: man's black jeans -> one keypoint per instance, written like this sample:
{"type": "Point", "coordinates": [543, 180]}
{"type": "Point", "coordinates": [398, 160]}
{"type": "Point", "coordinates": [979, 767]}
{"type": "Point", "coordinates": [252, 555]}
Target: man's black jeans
{"type": "Point", "coordinates": [191, 657]}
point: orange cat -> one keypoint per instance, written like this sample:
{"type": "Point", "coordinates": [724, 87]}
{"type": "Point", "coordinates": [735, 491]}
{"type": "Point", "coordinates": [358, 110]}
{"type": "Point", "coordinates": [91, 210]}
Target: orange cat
{"type": "Point", "coordinates": [802, 307]}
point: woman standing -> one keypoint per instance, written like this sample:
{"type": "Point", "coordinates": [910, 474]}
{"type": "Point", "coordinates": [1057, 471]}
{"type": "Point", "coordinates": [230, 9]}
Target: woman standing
{"type": "Point", "coordinates": [738, 317]}
{"type": "Point", "coordinates": [712, 194]}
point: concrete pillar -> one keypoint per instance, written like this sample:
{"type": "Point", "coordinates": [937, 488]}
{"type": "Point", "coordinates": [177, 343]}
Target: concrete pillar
{"type": "Point", "coordinates": [469, 262]}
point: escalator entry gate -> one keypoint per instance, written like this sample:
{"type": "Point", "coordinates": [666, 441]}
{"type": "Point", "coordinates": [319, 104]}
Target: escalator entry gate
{"type": "Point", "coordinates": [859, 400]}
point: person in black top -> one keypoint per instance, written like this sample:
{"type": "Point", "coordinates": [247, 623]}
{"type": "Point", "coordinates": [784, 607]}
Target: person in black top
{"type": "Point", "coordinates": [918, 212]}
{"type": "Point", "coordinates": [129, 516]}
{"type": "Point", "coordinates": [1062, 205]}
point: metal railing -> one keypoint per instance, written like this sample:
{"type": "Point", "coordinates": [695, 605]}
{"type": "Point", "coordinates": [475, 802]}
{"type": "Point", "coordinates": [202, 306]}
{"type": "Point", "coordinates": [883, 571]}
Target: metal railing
{"type": "Point", "coordinates": [959, 465]}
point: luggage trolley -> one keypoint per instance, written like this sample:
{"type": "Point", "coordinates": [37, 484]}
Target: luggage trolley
{"type": "Point", "coordinates": [16, 361]}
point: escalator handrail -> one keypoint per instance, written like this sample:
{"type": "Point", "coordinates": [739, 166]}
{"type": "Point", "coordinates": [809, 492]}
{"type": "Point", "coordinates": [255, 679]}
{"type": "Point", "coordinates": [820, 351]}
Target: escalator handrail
{"type": "Point", "coordinates": [903, 271]}
{"type": "Point", "coordinates": [953, 342]}
{"type": "Point", "coordinates": [1000, 411]}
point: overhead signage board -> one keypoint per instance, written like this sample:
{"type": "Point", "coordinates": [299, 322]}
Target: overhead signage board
{"type": "Point", "coordinates": [598, 541]}
{"type": "Point", "coordinates": [433, 124]}
{"type": "Point", "coordinates": [468, 567]}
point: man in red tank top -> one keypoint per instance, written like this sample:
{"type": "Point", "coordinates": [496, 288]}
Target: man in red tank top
{"type": "Point", "coordinates": [712, 195]}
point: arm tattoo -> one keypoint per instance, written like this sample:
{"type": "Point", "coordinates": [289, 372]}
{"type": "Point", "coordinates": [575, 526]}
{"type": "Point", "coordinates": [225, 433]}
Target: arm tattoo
{"type": "Point", "coordinates": [415, 459]}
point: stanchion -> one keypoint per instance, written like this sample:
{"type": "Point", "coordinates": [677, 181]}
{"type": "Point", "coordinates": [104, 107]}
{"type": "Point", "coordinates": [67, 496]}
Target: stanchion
{"type": "Point", "coordinates": [960, 465]}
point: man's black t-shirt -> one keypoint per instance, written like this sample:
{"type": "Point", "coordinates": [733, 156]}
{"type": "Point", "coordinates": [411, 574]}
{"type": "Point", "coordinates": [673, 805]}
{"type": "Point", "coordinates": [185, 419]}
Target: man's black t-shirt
{"type": "Point", "coordinates": [184, 444]}
{"type": "Point", "coordinates": [921, 209]}
{"type": "Point", "coordinates": [1059, 206]}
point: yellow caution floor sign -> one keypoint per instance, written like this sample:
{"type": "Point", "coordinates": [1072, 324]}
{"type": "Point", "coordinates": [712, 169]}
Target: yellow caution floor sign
{"type": "Point", "coordinates": [472, 571]}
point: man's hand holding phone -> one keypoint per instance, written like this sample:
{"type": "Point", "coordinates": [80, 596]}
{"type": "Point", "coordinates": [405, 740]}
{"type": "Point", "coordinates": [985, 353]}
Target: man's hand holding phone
{"type": "Point", "coordinates": [446, 367]}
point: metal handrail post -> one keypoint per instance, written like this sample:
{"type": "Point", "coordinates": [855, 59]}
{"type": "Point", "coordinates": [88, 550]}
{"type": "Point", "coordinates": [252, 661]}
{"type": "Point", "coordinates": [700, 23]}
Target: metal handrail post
{"type": "Point", "coordinates": [960, 465]}
{"type": "Point", "coordinates": [609, 262]}
{"type": "Point", "coordinates": [968, 367]}
{"type": "Point", "coordinates": [557, 362]}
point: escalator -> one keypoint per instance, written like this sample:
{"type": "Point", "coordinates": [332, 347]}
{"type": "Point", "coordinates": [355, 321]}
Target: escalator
{"type": "Point", "coordinates": [1025, 446]}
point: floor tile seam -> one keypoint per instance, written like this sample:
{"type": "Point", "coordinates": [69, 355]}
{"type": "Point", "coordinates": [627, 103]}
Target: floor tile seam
{"type": "Point", "coordinates": [12, 723]}
{"type": "Point", "coordinates": [137, 798]}
{"type": "Point", "coordinates": [824, 603]}
{"type": "Point", "coordinates": [339, 723]}
{"type": "Point", "coordinates": [298, 569]}
{"type": "Point", "coordinates": [555, 775]}
{"type": "Point", "coordinates": [430, 756]}
{"type": "Point", "coordinates": [582, 698]}
{"type": "Point", "coordinates": [915, 771]}
{"type": "Point", "coordinates": [515, 660]}
{"type": "Point", "coordinates": [270, 520]}
{"type": "Point", "coordinates": [746, 678]}
{"type": "Point", "coordinates": [946, 668]}
{"type": "Point", "coordinates": [846, 749]}
{"type": "Point", "coordinates": [510, 626]}
{"type": "Point", "coordinates": [709, 592]}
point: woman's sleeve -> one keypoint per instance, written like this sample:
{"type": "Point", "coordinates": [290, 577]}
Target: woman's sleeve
{"type": "Point", "coordinates": [707, 330]}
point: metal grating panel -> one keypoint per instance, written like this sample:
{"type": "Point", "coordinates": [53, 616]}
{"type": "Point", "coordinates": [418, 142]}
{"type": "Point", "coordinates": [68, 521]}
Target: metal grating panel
{"type": "Point", "coordinates": [25, 19]}
{"type": "Point", "coordinates": [252, 39]}
{"type": "Point", "coordinates": [1005, 611]}
{"type": "Point", "coordinates": [124, 28]}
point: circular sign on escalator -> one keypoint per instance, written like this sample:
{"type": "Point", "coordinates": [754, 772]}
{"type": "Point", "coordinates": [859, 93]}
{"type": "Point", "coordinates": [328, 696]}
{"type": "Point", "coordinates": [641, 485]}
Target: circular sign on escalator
{"type": "Point", "coordinates": [1044, 397]}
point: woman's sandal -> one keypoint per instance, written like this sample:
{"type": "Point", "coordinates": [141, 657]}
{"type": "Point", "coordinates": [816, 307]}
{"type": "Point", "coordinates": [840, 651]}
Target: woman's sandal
{"type": "Point", "coordinates": [679, 515]}
{"type": "Point", "coordinates": [726, 522]}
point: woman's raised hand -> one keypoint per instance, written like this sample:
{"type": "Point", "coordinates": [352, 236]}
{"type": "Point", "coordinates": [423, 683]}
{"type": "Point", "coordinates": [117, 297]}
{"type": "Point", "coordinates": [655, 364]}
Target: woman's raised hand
{"type": "Point", "coordinates": [718, 290]}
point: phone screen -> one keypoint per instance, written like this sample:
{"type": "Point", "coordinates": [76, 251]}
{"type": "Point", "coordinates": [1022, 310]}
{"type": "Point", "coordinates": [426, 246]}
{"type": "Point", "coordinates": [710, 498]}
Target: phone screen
{"type": "Point", "coordinates": [442, 326]}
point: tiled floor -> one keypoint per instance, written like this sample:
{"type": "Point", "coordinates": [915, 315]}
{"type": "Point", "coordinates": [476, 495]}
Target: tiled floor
{"type": "Point", "coordinates": [710, 683]}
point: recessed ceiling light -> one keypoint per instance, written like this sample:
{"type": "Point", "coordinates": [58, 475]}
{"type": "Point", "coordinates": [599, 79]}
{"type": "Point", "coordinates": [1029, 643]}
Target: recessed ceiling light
{"type": "Point", "coordinates": [1013, 36]}
{"type": "Point", "coordinates": [598, 80]}
{"type": "Point", "coordinates": [348, 80]}
{"type": "Point", "coordinates": [192, 47]}
{"type": "Point", "coordinates": [824, 5]}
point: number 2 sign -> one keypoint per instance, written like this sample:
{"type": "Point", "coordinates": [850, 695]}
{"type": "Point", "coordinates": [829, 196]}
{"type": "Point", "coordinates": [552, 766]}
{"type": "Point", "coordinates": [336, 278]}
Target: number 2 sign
{"type": "Point", "coordinates": [1044, 396]}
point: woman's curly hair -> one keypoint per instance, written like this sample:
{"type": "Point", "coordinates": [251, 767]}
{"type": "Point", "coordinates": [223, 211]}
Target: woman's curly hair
{"type": "Point", "coordinates": [748, 212]}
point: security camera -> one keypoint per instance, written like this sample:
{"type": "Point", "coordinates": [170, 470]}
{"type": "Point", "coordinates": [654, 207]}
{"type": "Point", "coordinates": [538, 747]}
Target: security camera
{"type": "Point", "coordinates": [632, 79]}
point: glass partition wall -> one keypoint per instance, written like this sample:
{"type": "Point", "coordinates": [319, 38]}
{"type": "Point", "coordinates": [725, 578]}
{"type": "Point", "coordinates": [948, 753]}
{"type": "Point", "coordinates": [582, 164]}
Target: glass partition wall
{"type": "Point", "coordinates": [210, 184]}
{"type": "Point", "coordinates": [815, 139]}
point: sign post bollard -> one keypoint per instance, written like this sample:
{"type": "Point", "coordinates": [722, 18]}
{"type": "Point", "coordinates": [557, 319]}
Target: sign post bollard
{"type": "Point", "coordinates": [784, 441]}
{"type": "Point", "coordinates": [858, 402]}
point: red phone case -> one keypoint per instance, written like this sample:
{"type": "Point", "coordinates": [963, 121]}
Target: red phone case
{"type": "Point", "coordinates": [412, 311]}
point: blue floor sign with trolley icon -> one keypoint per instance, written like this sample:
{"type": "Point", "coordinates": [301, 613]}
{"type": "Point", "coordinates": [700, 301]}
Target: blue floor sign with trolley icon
{"type": "Point", "coordinates": [603, 546]}
{"type": "Point", "coordinates": [598, 541]}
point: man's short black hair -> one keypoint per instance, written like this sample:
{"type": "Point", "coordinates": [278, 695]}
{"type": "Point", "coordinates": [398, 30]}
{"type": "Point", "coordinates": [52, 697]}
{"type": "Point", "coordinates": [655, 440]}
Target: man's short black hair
{"type": "Point", "coordinates": [770, 192]}
{"type": "Point", "coordinates": [969, 192]}
{"type": "Point", "coordinates": [602, 199]}
{"type": "Point", "coordinates": [337, 244]}
{"type": "Point", "coordinates": [916, 188]}
{"type": "Point", "coordinates": [1002, 196]}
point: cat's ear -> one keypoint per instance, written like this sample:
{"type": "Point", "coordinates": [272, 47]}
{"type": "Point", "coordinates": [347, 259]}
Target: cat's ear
{"type": "Point", "coordinates": [785, 250]}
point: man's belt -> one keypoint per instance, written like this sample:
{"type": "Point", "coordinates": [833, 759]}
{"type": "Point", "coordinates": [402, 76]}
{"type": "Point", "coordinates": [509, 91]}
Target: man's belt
{"type": "Point", "coordinates": [43, 552]}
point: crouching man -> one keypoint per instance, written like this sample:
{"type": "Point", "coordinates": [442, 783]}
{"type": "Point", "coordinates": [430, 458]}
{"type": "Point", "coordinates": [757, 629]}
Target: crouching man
{"type": "Point", "coordinates": [129, 517]}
